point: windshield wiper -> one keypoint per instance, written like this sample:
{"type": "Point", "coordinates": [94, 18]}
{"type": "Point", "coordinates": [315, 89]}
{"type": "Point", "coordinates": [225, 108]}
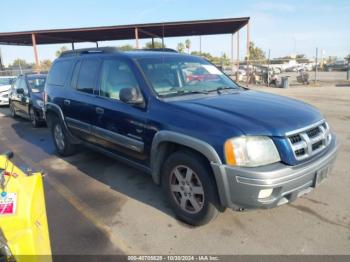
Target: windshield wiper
{"type": "Point", "coordinates": [188, 92]}
{"type": "Point", "coordinates": [220, 89]}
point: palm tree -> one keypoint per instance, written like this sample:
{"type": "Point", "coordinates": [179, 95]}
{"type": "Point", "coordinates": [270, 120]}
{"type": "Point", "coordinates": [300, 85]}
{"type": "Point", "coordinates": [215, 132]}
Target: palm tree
{"type": "Point", "coordinates": [180, 47]}
{"type": "Point", "coordinates": [61, 50]}
{"type": "Point", "coordinates": [188, 45]}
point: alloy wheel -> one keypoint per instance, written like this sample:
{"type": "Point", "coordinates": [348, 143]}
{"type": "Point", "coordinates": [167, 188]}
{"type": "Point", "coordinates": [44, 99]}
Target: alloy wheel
{"type": "Point", "coordinates": [32, 116]}
{"type": "Point", "coordinates": [59, 137]}
{"type": "Point", "coordinates": [187, 189]}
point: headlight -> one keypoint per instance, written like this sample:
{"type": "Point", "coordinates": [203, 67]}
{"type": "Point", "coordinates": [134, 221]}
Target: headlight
{"type": "Point", "coordinates": [250, 151]}
{"type": "Point", "coordinates": [40, 103]}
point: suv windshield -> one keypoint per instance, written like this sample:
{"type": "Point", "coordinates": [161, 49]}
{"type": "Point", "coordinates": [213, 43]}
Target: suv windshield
{"type": "Point", "coordinates": [36, 84]}
{"type": "Point", "coordinates": [174, 76]}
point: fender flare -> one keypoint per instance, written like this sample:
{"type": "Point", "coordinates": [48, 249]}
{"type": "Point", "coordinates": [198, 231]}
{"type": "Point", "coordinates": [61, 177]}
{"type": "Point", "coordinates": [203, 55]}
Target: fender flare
{"type": "Point", "coordinates": [158, 155]}
{"type": "Point", "coordinates": [51, 107]}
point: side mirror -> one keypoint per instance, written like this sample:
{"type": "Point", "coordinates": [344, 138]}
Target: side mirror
{"type": "Point", "coordinates": [20, 91]}
{"type": "Point", "coordinates": [130, 95]}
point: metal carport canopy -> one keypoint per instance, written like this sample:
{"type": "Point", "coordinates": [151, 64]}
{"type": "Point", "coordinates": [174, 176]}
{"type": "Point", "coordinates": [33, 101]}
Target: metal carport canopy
{"type": "Point", "coordinates": [125, 32]}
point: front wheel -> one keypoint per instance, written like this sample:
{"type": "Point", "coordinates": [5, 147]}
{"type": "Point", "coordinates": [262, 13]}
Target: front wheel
{"type": "Point", "coordinates": [12, 110]}
{"type": "Point", "coordinates": [190, 188]}
{"type": "Point", "coordinates": [33, 118]}
{"type": "Point", "coordinates": [60, 138]}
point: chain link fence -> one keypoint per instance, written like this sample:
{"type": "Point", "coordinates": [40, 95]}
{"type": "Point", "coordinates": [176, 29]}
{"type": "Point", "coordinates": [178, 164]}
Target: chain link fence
{"type": "Point", "coordinates": [273, 72]}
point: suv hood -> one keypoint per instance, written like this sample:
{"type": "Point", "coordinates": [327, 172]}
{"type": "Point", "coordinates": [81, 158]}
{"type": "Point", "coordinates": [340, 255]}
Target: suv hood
{"type": "Point", "coordinates": [254, 113]}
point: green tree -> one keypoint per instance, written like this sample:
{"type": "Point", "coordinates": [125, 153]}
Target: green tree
{"type": "Point", "coordinates": [188, 45]}
{"type": "Point", "coordinates": [126, 47]}
{"type": "Point", "coordinates": [20, 64]}
{"type": "Point", "coordinates": [301, 58]}
{"type": "Point", "coordinates": [224, 60]}
{"type": "Point", "coordinates": [256, 54]}
{"type": "Point", "coordinates": [180, 47]}
{"type": "Point", "coordinates": [45, 64]}
{"type": "Point", "coordinates": [207, 56]}
{"type": "Point", "coordinates": [61, 50]}
{"type": "Point", "coordinates": [157, 44]}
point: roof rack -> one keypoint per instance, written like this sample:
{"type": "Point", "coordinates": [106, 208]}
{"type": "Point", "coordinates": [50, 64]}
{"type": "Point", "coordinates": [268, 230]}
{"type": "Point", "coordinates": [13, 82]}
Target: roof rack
{"type": "Point", "coordinates": [159, 50]}
{"type": "Point", "coordinates": [83, 51]}
{"type": "Point", "coordinates": [109, 49]}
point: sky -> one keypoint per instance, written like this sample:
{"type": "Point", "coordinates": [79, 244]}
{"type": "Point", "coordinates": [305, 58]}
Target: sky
{"type": "Point", "coordinates": [284, 26]}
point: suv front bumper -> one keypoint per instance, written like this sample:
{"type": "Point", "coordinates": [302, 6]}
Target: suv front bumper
{"type": "Point", "coordinates": [239, 187]}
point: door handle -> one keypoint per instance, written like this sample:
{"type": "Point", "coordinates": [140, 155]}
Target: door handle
{"type": "Point", "coordinates": [66, 102]}
{"type": "Point", "coordinates": [100, 110]}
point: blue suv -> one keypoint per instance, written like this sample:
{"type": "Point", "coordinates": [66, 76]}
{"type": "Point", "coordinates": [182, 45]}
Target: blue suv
{"type": "Point", "coordinates": [209, 143]}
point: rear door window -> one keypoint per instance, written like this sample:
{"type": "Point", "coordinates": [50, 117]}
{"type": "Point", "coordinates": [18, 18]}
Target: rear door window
{"type": "Point", "coordinates": [87, 75]}
{"type": "Point", "coordinates": [116, 75]}
{"type": "Point", "coordinates": [59, 72]}
{"type": "Point", "coordinates": [75, 75]}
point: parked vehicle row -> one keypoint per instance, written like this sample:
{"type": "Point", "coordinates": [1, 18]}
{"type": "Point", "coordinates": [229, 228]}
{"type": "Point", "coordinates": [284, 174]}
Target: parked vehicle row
{"type": "Point", "coordinates": [340, 65]}
{"type": "Point", "coordinates": [26, 98]}
{"type": "Point", "coordinates": [5, 86]}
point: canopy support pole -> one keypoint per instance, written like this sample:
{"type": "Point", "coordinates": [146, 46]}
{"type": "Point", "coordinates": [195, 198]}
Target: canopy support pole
{"type": "Point", "coordinates": [36, 57]}
{"type": "Point", "coordinates": [137, 37]}
{"type": "Point", "coordinates": [72, 45]}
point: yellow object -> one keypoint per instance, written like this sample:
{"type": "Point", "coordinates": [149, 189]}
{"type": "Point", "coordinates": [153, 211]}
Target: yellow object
{"type": "Point", "coordinates": [26, 231]}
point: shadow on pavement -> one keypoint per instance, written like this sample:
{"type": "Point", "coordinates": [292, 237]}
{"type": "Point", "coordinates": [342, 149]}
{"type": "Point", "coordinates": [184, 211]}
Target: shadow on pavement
{"type": "Point", "coordinates": [116, 175]}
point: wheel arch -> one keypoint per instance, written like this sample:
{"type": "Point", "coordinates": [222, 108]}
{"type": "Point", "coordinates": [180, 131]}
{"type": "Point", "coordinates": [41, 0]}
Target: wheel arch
{"type": "Point", "coordinates": [53, 110]}
{"type": "Point", "coordinates": [166, 142]}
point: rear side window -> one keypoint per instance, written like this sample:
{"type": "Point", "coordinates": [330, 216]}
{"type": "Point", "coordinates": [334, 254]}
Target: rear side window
{"type": "Point", "coordinates": [59, 72]}
{"type": "Point", "coordinates": [87, 75]}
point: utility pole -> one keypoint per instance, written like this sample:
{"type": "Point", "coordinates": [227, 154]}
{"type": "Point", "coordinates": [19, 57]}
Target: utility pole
{"type": "Point", "coordinates": [268, 69]}
{"type": "Point", "coordinates": [316, 65]}
{"type": "Point", "coordinates": [2, 67]}
{"type": "Point", "coordinates": [237, 71]}
{"type": "Point", "coordinates": [232, 55]}
{"type": "Point", "coordinates": [248, 46]}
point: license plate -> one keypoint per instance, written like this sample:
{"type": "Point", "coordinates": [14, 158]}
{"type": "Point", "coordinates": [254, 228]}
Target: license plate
{"type": "Point", "coordinates": [8, 204]}
{"type": "Point", "coordinates": [321, 175]}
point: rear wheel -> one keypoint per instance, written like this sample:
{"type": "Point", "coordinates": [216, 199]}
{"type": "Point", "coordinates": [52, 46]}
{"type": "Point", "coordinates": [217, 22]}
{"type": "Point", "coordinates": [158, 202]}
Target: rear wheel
{"type": "Point", "coordinates": [189, 186]}
{"type": "Point", "coordinates": [60, 138]}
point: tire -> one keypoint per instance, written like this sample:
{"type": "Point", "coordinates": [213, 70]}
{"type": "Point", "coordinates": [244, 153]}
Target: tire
{"type": "Point", "coordinates": [192, 208]}
{"type": "Point", "coordinates": [32, 117]}
{"type": "Point", "coordinates": [12, 110]}
{"type": "Point", "coordinates": [63, 146]}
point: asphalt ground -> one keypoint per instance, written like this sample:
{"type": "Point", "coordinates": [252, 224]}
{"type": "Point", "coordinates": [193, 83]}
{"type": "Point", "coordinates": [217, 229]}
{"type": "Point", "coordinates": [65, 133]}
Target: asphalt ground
{"type": "Point", "coordinates": [97, 205]}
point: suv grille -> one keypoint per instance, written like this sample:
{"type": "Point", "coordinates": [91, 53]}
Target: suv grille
{"type": "Point", "coordinates": [310, 140]}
